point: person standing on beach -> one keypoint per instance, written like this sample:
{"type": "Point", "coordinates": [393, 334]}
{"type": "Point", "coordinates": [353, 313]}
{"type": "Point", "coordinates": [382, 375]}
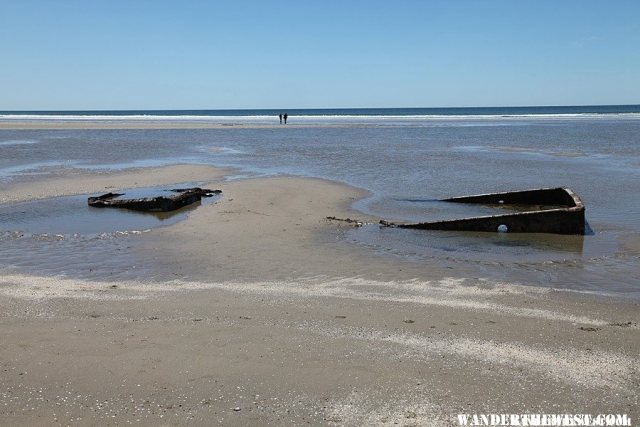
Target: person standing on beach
{"type": "Point", "coordinates": [285, 118]}
{"type": "Point", "coordinates": [280, 118]}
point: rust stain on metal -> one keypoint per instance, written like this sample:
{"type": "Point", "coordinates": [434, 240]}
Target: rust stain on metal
{"type": "Point", "coordinates": [551, 210]}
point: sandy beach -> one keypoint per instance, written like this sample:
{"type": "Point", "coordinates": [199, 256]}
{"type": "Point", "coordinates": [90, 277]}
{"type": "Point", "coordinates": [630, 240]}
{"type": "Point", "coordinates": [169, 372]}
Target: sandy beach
{"type": "Point", "coordinates": [347, 214]}
{"type": "Point", "coordinates": [269, 318]}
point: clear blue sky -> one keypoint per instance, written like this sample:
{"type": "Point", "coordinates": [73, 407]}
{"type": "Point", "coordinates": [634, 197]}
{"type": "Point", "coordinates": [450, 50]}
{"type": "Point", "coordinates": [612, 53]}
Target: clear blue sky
{"type": "Point", "coordinates": [188, 54]}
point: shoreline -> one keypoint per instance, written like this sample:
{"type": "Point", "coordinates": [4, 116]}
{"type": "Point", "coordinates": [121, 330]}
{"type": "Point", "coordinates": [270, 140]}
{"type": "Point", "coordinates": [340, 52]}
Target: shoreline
{"type": "Point", "coordinates": [263, 315]}
{"type": "Point", "coordinates": [158, 124]}
{"type": "Point", "coordinates": [215, 122]}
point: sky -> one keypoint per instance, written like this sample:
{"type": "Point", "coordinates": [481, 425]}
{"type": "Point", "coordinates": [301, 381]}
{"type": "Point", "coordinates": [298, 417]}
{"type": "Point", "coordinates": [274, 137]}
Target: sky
{"type": "Point", "coordinates": [236, 54]}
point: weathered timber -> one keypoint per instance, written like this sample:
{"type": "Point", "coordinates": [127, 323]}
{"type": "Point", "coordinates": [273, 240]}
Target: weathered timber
{"type": "Point", "coordinates": [180, 198]}
{"type": "Point", "coordinates": [555, 210]}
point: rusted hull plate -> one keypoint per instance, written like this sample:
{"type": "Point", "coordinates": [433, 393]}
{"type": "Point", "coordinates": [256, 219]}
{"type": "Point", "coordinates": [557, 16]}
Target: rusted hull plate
{"type": "Point", "coordinates": [566, 216]}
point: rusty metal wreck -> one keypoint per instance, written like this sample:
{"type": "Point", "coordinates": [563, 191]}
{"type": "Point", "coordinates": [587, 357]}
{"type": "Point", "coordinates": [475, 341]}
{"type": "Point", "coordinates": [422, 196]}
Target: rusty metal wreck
{"type": "Point", "coordinates": [550, 210]}
{"type": "Point", "coordinates": [179, 198]}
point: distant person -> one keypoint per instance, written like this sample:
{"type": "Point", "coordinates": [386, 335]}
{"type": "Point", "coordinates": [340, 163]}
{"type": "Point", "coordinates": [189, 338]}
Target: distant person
{"type": "Point", "coordinates": [280, 118]}
{"type": "Point", "coordinates": [285, 118]}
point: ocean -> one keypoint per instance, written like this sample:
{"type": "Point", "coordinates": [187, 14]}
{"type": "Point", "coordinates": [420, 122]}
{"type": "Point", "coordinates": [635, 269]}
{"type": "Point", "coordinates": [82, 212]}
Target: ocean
{"type": "Point", "coordinates": [406, 158]}
{"type": "Point", "coordinates": [339, 115]}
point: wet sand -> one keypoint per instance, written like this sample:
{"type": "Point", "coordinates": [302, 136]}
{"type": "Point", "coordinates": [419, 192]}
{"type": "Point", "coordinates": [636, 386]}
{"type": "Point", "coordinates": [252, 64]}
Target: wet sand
{"type": "Point", "coordinates": [268, 317]}
{"type": "Point", "coordinates": [21, 124]}
{"type": "Point", "coordinates": [80, 181]}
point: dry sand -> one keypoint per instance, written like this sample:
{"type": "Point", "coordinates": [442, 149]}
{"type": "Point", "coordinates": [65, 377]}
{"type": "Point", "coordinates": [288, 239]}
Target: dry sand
{"type": "Point", "coordinates": [271, 319]}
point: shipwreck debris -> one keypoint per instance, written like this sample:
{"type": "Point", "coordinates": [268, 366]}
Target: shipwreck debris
{"type": "Point", "coordinates": [355, 222]}
{"type": "Point", "coordinates": [179, 198]}
{"type": "Point", "coordinates": [544, 210]}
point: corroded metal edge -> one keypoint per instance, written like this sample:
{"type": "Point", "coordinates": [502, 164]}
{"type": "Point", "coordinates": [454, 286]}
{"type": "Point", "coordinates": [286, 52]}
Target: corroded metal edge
{"type": "Point", "coordinates": [567, 219]}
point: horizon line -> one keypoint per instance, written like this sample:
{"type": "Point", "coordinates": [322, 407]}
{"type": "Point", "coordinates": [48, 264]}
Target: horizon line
{"type": "Point", "coordinates": [318, 108]}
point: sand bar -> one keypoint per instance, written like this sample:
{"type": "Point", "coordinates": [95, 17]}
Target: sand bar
{"type": "Point", "coordinates": [43, 124]}
{"type": "Point", "coordinates": [80, 181]}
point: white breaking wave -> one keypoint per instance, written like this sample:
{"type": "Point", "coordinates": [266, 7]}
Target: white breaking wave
{"type": "Point", "coordinates": [17, 142]}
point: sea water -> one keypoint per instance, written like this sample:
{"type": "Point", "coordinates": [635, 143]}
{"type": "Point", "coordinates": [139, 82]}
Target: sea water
{"type": "Point", "coordinates": [407, 159]}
